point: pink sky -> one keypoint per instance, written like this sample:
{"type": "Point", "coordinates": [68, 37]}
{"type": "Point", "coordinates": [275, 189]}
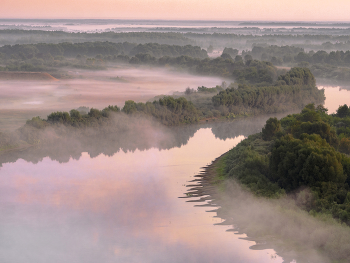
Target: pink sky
{"type": "Point", "coordinates": [283, 10]}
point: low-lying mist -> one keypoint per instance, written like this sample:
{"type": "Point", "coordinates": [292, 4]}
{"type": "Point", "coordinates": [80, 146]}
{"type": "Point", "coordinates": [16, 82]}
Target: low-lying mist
{"type": "Point", "coordinates": [91, 89]}
{"type": "Point", "coordinates": [279, 224]}
{"type": "Point", "coordinates": [122, 133]}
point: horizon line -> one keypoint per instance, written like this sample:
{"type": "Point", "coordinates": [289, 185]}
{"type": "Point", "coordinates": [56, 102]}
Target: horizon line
{"type": "Point", "coordinates": [188, 20]}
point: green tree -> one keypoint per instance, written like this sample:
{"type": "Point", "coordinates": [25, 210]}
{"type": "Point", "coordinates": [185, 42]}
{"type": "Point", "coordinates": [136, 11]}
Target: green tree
{"type": "Point", "coordinates": [271, 128]}
{"type": "Point", "coordinates": [129, 107]}
{"type": "Point", "coordinates": [308, 161]}
{"type": "Point", "coordinates": [343, 111]}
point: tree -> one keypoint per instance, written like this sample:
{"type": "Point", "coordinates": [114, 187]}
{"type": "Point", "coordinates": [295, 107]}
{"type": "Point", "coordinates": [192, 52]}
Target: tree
{"type": "Point", "coordinates": [74, 114]}
{"type": "Point", "coordinates": [247, 58]}
{"type": "Point", "coordinates": [129, 107]}
{"type": "Point", "coordinates": [226, 56]}
{"type": "Point", "coordinates": [230, 51]}
{"type": "Point", "coordinates": [271, 128]}
{"type": "Point", "coordinates": [308, 161]}
{"type": "Point", "coordinates": [210, 49]}
{"type": "Point", "coordinates": [238, 58]}
{"type": "Point", "coordinates": [189, 91]}
{"type": "Point", "coordinates": [343, 111]}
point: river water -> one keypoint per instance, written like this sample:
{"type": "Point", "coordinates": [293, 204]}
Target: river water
{"type": "Point", "coordinates": [89, 203]}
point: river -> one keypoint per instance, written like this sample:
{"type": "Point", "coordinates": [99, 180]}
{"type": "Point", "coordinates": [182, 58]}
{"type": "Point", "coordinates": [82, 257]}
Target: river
{"type": "Point", "coordinates": [120, 202]}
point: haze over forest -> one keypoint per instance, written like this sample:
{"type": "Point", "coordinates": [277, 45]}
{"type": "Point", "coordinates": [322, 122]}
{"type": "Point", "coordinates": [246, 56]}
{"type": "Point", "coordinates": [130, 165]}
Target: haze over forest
{"type": "Point", "coordinates": [175, 131]}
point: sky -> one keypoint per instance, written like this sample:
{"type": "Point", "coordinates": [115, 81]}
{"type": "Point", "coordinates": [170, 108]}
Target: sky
{"type": "Point", "coordinates": [234, 10]}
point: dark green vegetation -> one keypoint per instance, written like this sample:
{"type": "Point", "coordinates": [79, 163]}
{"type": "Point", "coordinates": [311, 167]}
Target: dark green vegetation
{"type": "Point", "coordinates": [167, 110]}
{"type": "Point", "coordinates": [291, 91]}
{"type": "Point", "coordinates": [305, 155]}
{"type": "Point", "coordinates": [10, 37]}
{"type": "Point", "coordinates": [89, 55]}
{"type": "Point", "coordinates": [50, 57]}
{"type": "Point", "coordinates": [333, 64]}
{"type": "Point", "coordinates": [275, 54]}
{"type": "Point", "coordinates": [240, 38]}
{"type": "Point", "coordinates": [67, 49]}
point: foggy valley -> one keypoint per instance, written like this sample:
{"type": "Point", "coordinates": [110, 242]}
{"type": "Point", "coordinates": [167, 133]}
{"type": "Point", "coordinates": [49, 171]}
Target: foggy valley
{"type": "Point", "coordinates": [152, 140]}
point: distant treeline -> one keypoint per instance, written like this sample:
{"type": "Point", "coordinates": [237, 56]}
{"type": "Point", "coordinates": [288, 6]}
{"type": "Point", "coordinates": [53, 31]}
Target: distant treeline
{"type": "Point", "coordinates": [276, 54]}
{"type": "Point", "coordinates": [27, 58]}
{"type": "Point", "coordinates": [10, 37]}
{"type": "Point", "coordinates": [287, 54]}
{"type": "Point", "coordinates": [290, 91]}
{"type": "Point", "coordinates": [167, 110]}
{"type": "Point", "coordinates": [333, 65]}
{"type": "Point", "coordinates": [66, 49]}
{"type": "Point", "coordinates": [315, 39]}
{"type": "Point", "coordinates": [293, 90]}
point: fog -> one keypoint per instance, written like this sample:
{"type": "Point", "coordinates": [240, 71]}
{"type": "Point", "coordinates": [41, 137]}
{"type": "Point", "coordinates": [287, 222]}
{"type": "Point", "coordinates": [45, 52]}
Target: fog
{"type": "Point", "coordinates": [118, 207]}
{"type": "Point", "coordinates": [22, 100]}
{"type": "Point", "coordinates": [110, 193]}
{"type": "Point", "coordinates": [219, 34]}
{"type": "Point", "coordinates": [124, 177]}
{"type": "Point", "coordinates": [278, 224]}
{"type": "Point", "coordinates": [127, 134]}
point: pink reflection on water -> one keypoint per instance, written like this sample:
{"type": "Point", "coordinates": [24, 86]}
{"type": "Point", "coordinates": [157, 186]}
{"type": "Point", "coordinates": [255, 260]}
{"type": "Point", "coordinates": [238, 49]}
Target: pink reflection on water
{"type": "Point", "coordinates": [335, 96]}
{"type": "Point", "coordinates": [123, 208]}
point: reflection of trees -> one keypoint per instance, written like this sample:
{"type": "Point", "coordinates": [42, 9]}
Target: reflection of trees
{"type": "Point", "coordinates": [343, 85]}
{"type": "Point", "coordinates": [245, 127]}
{"type": "Point", "coordinates": [131, 136]}
{"type": "Point", "coordinates": [262, 220]}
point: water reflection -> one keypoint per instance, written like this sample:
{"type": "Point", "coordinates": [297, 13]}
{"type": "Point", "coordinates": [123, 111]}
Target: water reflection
{"type": "Point", "coordinates": [270, 224]}
{"type": "Point", "coordinates": [336, 92]}
{"type": "Point", "coordinates": [335, 96]}
{"type": "Point", "coordinates": [118, 208]}
{"type": "Point", "coordinates": [134, 137]}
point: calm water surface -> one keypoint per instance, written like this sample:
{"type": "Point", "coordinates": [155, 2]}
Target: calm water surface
{"type": "Point", "coordinates": [120, 208]}
{"type": "Point", "coordinates": [123, 207]}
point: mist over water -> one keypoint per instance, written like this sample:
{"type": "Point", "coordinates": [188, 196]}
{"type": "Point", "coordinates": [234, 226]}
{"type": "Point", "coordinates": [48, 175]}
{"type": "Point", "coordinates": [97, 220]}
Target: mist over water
{"type": "Point", "coordinates": [335, 96]}
{"type": "Point", "coordinates": [96, 89]}
{"type": "Point", "coordinates": [123, 207]}
{"type": "Point", "coordinates": [105, 196]}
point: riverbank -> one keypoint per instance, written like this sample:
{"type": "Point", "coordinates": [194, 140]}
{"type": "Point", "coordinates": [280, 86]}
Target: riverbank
{"type": "Point", "coordinates": [290, 181]}
{"type": "Point", "coordinates": [277, 224]}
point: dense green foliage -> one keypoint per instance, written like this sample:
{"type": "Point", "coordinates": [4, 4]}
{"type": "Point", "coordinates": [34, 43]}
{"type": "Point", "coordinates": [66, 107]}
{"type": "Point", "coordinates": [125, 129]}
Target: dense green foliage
{"type": "Point", "coordinates": [9, 37]}
{"type": "Point", "coordinates": [272, 127]}
{"type": "Point", "coordinates": [230, 51]}
{"type": "Point", "coordinates": [274, 53]}
{"type": "Point", "coordinates": [167, 110]}
{"type": "Point", "coordinates": [287, 54]}
{"type": "Point", "coordinates": [187, 107]}
{"type": "Point", "coordinates": [333, 64]}
{"type": "Point", "coordinates": [99, 48]}
{"type": "Point", "coordinates": [293, 90]}
{"type": "Point", "coordinates": [241, 38]}
{"type": "Point", "coordinates": [302, 151]}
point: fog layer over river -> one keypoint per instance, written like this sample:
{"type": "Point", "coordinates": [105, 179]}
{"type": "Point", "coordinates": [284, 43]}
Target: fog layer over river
{"type": "Point", "coordinates": [21, 100]}
{"type": "Point", "coordinates": [119, 208]}
{"type": "Point", "coordinates": [104, 200]}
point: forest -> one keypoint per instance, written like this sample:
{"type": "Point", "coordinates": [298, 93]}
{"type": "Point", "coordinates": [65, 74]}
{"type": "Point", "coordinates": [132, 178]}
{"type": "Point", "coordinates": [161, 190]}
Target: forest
{"type": "Point", "coordinates": [290, 91]}
{"type": "Point", "coordinates": [293, 90]}
{"type": "Point", "coordinates": [237, 38]}
{"type": "Point", "coordinates": [67, 49]}
{"type": "Point", "coordinates": [98, 55]}
{"type": "Point", "coordinates": [305, 156]}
